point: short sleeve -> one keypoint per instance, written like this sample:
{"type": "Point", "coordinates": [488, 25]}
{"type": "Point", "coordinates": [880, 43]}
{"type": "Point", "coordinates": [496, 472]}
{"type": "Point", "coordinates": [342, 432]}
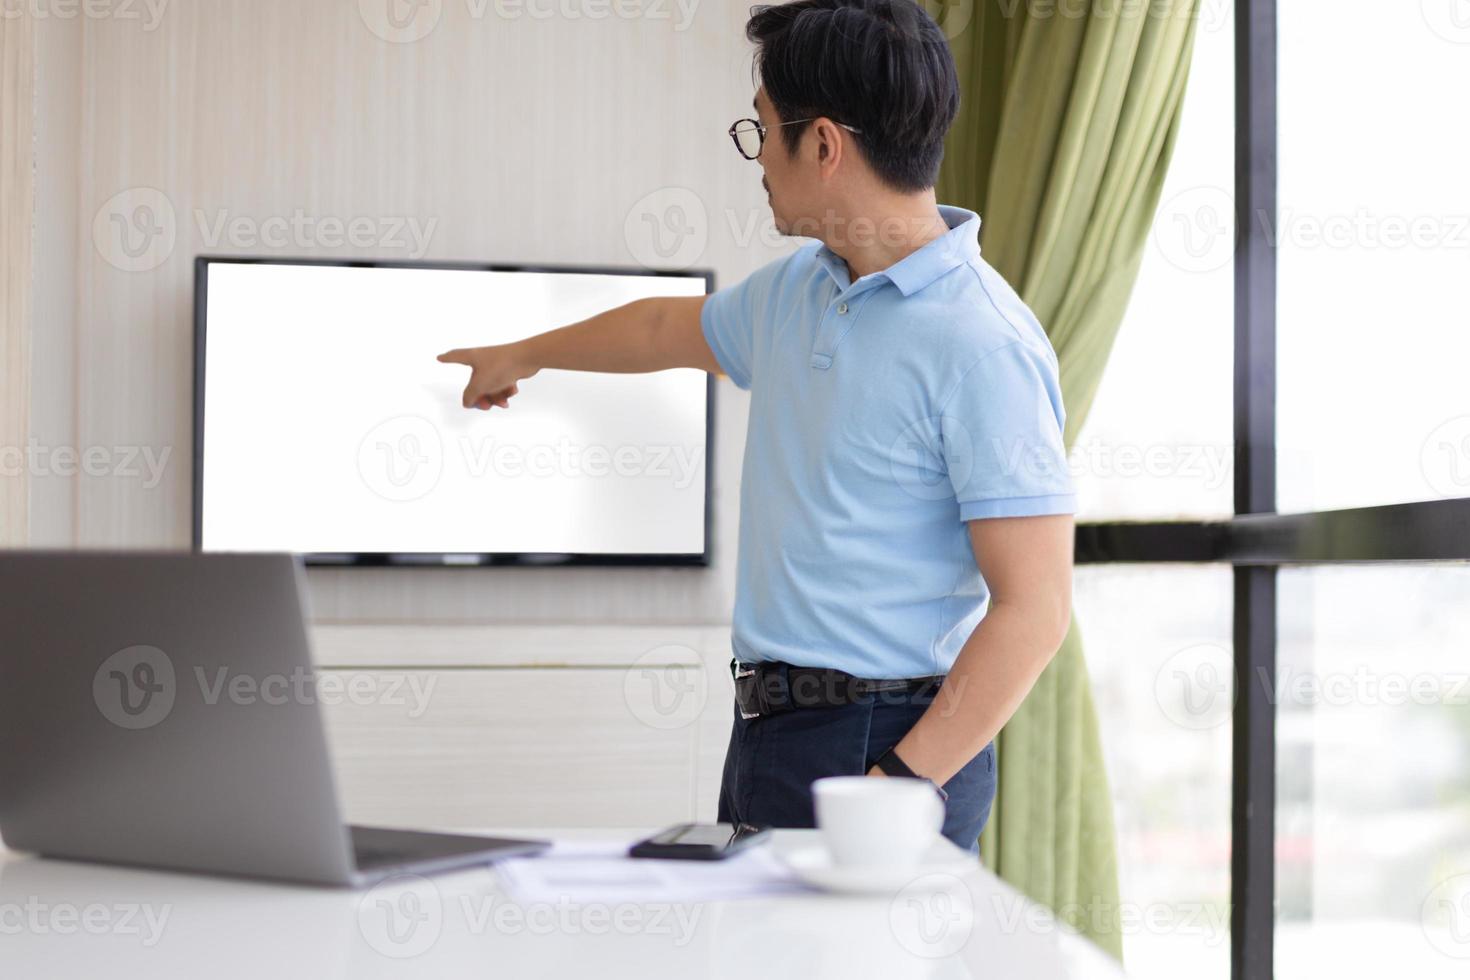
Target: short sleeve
{"type": "Point", "coordinates": [731, 318]}
{"type": "Point", "coordinates": [1002, 436]}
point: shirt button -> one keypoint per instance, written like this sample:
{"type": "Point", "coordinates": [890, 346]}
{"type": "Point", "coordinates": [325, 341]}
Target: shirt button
{"type": "Point", "coordinates": [842, 309]}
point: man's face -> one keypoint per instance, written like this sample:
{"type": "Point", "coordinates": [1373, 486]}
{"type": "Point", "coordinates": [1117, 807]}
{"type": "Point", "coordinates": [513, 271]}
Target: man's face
{"type": "Point", "coordinates": [789, 187]}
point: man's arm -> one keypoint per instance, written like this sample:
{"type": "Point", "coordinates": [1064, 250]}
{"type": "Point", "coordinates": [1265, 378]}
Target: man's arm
{"type": "Point", "coordinates": [645, 335]}
{"type": "Point", "coordinates": [1027, 563]}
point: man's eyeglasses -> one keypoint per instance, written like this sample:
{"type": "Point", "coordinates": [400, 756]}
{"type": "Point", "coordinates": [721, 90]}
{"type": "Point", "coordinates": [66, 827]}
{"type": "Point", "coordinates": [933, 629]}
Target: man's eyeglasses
{"type": "Point", "coordinates": [750, 135]}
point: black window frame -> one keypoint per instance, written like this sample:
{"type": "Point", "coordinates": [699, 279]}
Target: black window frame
{"type": "Point", "coordinates": [1258, 540]}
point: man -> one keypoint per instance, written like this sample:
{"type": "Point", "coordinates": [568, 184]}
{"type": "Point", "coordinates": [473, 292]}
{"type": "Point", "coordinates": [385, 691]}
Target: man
{"type": "Point", "coordinates": [905, 522]}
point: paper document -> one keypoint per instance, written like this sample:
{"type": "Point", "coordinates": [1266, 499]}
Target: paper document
{"type": "Point", "coordinates": [600, 871]}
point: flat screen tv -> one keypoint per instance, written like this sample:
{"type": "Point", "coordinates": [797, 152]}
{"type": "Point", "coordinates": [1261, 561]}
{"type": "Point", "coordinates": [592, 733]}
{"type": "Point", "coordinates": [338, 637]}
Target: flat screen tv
{"type": "Point", "coordinates": [324, 426]}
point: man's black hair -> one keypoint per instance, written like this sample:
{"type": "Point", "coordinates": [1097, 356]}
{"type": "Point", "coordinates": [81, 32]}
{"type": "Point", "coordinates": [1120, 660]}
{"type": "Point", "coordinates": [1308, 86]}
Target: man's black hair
{"type": "Point", "coordinates": [880, 66]}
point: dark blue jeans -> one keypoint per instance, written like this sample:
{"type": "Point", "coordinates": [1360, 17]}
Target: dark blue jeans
{"type": "Point", "coordinates": [773, 760]}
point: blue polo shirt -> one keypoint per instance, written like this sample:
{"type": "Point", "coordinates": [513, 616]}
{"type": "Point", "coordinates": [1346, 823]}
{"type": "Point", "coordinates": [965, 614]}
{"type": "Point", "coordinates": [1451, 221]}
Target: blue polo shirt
{"type": "Point", "coordinates": [884, 414]}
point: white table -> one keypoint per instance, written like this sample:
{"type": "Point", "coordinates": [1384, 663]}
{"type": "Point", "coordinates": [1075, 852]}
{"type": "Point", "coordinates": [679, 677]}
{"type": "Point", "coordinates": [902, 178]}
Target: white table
{"type": "Point", "coordinates": [65, 920]}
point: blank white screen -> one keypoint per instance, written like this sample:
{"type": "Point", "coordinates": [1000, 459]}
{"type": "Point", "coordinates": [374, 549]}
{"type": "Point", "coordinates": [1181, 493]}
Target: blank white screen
{"type": "Point", "coordinates": [329, 427]}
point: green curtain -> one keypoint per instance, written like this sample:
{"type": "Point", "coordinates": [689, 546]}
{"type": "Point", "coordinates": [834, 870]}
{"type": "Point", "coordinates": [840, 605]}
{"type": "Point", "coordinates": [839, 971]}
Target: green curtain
{"type": "Point", "coordinates": [1068, 117]}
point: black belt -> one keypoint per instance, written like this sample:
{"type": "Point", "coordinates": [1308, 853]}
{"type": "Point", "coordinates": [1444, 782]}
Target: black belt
{"type": "Point", "coordinates": [771, 687]}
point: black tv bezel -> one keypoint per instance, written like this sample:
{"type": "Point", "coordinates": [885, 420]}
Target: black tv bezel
{"type": "Point", "coordinates": [450, 559]}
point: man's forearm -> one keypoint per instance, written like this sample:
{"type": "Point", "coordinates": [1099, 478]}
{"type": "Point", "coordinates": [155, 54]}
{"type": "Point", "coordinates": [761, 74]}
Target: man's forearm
{"type": "Point", "coordinates": [994, 672]}
{"type": "Point", "coordinates": [638, 337]}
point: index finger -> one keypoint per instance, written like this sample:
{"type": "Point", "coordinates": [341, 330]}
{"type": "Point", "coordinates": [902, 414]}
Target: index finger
{"type": "Point", "coordinates": [457, 356]}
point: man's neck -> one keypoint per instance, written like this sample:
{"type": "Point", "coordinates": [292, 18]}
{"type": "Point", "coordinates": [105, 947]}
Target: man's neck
{"type": "Point", "coordinates": [869, 243]}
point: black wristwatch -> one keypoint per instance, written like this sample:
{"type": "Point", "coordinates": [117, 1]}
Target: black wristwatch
{"type": "Point", "coordinates": [891, 765]}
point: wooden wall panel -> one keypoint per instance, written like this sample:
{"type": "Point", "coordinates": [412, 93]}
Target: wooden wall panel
{"type": "Point", "coordinates": [17, 210]}
{"type": "Point", "coordinates": [512, 138]}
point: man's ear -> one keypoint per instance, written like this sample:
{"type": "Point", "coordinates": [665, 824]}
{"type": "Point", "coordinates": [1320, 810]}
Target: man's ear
{"type": "Point", "coordinates": [829, 153]}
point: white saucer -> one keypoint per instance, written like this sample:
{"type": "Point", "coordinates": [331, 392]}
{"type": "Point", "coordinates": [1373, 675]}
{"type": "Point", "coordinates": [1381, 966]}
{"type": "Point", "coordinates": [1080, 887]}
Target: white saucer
{"type": "Point", "coordinates": [813, 866]}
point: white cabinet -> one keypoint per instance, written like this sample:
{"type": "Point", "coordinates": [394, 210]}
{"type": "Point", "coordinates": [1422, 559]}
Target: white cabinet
{"type": "Point", "coordinates": [475, 727]}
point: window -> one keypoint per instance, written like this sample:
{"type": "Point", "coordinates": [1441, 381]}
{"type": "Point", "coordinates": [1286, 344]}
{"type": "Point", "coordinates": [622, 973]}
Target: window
{"type": "Point", "coordinates": [1158, 650]}
{"type": "Point", "coordinates": [1373, 772]}
{"type": "Point", "coordinates": [1347, 530]}
{"type": "Point", "coordinates": [1131, 459]}
{"type": "Point", "coordinates": [1374, 246]}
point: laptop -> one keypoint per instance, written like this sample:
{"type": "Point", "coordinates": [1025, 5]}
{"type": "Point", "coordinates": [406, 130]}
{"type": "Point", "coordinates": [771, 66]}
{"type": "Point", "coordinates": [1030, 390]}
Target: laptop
{"type": "Point", "coordinates": [157, 710]}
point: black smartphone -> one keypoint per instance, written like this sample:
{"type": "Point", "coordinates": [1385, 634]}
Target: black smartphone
{"type": "Point", "coordinates": [700, 841]}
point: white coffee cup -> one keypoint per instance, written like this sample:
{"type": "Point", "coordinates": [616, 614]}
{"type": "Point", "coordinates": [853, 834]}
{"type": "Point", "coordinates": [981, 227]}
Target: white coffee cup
{"type": "Point", "coordinates": [877, 822]}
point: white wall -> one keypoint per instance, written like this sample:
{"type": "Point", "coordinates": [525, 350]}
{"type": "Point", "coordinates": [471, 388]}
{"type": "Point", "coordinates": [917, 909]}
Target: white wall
{"type": "Point", "coordinates": [515, 138]}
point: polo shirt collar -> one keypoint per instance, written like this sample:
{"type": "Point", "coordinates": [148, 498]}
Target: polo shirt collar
{"type": "Point", "coordinates": [959, 245]}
